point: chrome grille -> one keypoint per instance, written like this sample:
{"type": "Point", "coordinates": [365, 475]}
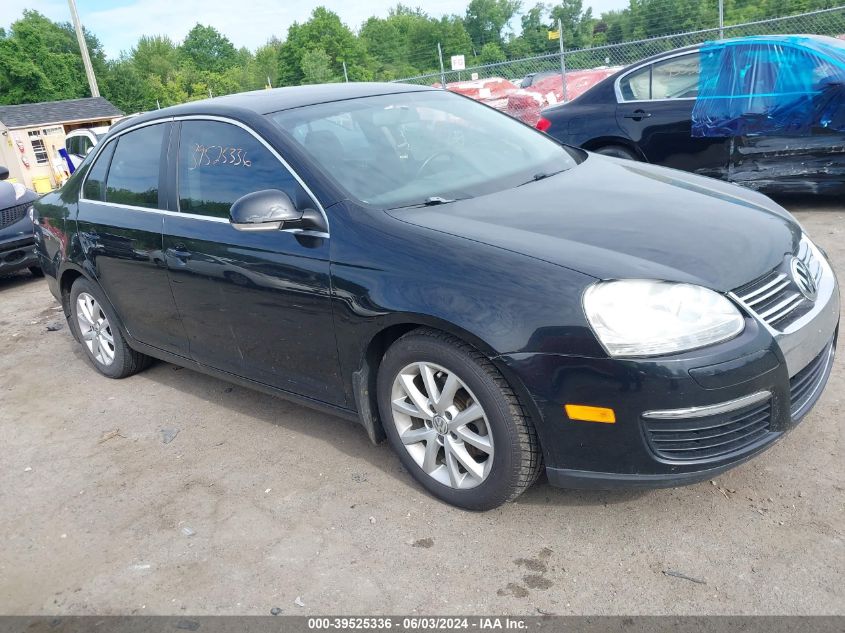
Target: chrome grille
{"type": "Point", "coordinates": [775, 297]}
{"type": "Point", "coordinates": [13, 214]}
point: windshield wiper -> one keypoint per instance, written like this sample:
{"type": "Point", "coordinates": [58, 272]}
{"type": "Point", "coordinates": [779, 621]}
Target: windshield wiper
{"type": "Point", "coordinates": [542, 176]}
{"type": "Point", "coordinates": [435, 200]}
{"type": "Point", "coordinates": [431, 201]}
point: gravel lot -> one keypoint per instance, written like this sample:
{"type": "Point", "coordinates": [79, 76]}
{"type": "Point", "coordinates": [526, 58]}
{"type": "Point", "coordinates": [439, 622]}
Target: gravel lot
{"type": "Point", "coordinates": [257, 503]}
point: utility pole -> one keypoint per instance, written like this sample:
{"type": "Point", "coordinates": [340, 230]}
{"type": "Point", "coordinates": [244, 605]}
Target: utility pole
{"type": "Point", "coordinates": [442, 71]}
{"type": "Point", "coordinates": [562, 58]}
{"type": "Point", "coordinates": [345, 74]}
{"type": "Point", "coordinates": [721, 19]}
{"type": "Point", "coordinates": [83, 48]}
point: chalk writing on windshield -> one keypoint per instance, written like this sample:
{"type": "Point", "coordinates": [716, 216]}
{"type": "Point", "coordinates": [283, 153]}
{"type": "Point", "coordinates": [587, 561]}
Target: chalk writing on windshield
{"type": "Point", "coordinates": [211, 155]}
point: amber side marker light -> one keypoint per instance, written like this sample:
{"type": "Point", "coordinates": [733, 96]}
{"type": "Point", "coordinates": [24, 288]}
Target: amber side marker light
{"type": "Point", "coordinates": [590, 414]}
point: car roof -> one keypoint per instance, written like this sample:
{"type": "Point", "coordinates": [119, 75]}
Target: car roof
{"type": "Point", "coordinates": [276, 99]}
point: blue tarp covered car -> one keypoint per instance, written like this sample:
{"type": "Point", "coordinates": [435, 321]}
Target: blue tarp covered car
{"type": "Point", "coordinates": [763, 86]}
{"type": "Point", "coordinates": [765, 112]}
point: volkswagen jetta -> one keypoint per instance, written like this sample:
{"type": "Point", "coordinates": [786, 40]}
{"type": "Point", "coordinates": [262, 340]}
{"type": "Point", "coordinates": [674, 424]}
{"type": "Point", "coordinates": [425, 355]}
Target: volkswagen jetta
{"type": "Point", "coordinates": [491, 301]}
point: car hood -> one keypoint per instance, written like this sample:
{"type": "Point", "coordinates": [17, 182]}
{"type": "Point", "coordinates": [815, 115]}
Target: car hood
{"type": "Point", "coordinates": [615, 219]}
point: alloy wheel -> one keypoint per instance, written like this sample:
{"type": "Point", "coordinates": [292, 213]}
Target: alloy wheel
{"type": "Point", "coordinates": [442, 425]}
{"type": "Point", "coordinates": [95, 329]}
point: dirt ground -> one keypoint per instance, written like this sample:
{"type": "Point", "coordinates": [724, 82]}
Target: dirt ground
{"type": "Point", "coordinates": [257, 503]}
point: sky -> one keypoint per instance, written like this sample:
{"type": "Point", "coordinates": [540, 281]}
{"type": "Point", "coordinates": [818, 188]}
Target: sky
{"type": "Point", "coordinates": [119, 23]}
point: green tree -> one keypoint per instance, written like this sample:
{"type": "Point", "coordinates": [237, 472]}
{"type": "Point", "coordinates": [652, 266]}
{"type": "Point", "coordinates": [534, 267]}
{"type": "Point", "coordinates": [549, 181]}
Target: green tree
{"type": "Point", "coordinates": [534, 38]}
{"type": "Point", "coordinates": [40, 61]}
{"type": "Point", "coordinates": [266, 63]}
{"type": "Point", "coordinates": [155, 55]}
{"type": "Point", "coordinates": [485, 19]}
{"type": "Point", "coordinates": [491, 53]}
{"type": "Point", "coordinates": [324, 31]}
{"type": "Point", "coordinates": [125, 87]}
{"type": "Point", "coordinates": [207, 49]}
{"type": "Point", "coordinates": [316, 67]}
{"type": "Point", "coordinates": [577, 23]}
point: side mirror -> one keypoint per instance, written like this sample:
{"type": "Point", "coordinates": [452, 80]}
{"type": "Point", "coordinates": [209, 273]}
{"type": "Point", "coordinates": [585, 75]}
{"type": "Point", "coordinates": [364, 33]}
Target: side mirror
{"type": "Point", "coordinates": [265, 210]}
{"type": "Point", "coordinates": [4, 173]}
{"type": "Point", "coordinates": [88, 151]}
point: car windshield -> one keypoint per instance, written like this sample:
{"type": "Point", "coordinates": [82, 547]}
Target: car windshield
{"type": "Point", "coordinates": [418, 148]}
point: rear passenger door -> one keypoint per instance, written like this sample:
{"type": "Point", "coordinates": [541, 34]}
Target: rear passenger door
{"type": "Point", "coordinates": [254, 303]}
{"type": "Point", "coordinates": [121, 212]}
{"type": "Point", "coordinates": [797, 90]}
{"type": "Point", "coordinates": [655, 111]}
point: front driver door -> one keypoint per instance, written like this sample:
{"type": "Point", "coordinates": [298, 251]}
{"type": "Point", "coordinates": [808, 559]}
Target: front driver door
{"type": "Point", "coordinates": [253, 303]}
{"type": "Point", "coordinates": [655, 111]}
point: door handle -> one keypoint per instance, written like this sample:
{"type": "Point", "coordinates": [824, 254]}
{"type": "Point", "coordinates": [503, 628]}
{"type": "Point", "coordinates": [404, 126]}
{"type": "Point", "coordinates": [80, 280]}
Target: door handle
{"type": "Point", "coordinates": [638, 115]}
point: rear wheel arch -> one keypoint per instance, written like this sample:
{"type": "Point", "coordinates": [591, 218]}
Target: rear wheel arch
{"type": "Point", "coordinates": [597, 144]}
{"type": "Point", "coordinates": [66, 280]}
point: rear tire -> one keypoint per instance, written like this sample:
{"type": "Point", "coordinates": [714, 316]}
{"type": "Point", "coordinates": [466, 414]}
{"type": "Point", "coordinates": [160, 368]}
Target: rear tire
{"type": "Point", "coordinates": [454, 422]}
{"type": "Point", "coordinates": [617, 151]}
{"type": "Point", "coordinates": [94, 324]}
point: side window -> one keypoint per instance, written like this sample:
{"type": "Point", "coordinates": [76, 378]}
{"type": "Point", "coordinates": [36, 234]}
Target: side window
{"type": "Point", "coordinates": [676, 78]}
{"type": "Point", "coordinates": [94, 184]}
{"type": "Point", "coordinates": [637, 85]}
{"type": "Point", "coordinates": [134, 172]}
{"type": "Point", "coordinates": [71, 145]}
{"type": "Point", "coordinates": [220, 162]}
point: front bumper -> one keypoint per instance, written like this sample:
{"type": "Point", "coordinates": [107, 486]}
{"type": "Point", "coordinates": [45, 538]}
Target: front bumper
{"type": "Point", "coordinates": [17, 253]}
{"type": "Point", "coordinates": [684, 418]}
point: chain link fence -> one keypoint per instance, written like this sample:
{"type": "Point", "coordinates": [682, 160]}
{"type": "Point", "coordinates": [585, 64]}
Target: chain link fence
{"type": "Point", "coordinates": [541, 76]}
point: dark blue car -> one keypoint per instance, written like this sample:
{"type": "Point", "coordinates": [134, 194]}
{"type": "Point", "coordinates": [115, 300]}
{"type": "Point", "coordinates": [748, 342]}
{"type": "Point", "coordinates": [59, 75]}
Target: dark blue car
{"type": "Point", "coordinates": [764, 112]}
{"type": "Point", "coordinates": [17, 243]}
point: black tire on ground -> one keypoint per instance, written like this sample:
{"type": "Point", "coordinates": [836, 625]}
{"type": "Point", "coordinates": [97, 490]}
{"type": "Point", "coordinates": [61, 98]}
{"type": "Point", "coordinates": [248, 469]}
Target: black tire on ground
{"type": "Point", "coordinates": [617, 151]}
{"type": "Point", "coordinates": [517, 459]}
{"type": "Point", "coordinates": [126, 360]}
{"type": "Point", "coordinates": [36, 271]}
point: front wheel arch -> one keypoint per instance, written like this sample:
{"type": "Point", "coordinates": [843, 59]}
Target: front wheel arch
{"type": "Point", "coordinates": [523, 456]}
{"type": "Point", "coordinates": [364, 379]}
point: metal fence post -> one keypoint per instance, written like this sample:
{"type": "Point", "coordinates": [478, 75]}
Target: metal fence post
{"type": "Point", "coordinates": [442, 72]}
{"type": "Point", "coordinates": [562, 59]}
{"type": "Point", "coordinates": [721, 19]}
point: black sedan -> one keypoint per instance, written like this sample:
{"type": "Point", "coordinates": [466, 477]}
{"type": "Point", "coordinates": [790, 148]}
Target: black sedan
{"type": "Point", "coordinates": [771, 118]}
{"type": "Point", "coordinates": [17, 241]}
{"type": "Point", "coordinates": [490, 301]}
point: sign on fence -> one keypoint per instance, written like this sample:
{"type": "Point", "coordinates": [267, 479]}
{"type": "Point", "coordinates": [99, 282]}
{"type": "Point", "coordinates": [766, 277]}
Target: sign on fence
{"type": "Point", "coordinates": [458, 62]}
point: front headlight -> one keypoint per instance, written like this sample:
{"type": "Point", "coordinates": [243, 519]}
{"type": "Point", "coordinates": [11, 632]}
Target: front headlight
{"type": "Point", "coordinates": [640, 317]}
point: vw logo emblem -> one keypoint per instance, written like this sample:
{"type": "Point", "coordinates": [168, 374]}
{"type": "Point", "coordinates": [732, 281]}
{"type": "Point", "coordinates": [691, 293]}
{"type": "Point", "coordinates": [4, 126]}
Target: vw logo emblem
{"type": "Point", "coordinates": [803, 278]}
{"type": "Point", "coordinates": [440, 425]}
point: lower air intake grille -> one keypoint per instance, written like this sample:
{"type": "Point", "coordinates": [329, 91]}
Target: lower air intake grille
{"type": "Point", "coordinates": [806, 384]}
{"type": "Point", "coordinates": [709, 438]}
{"type": "Point", "coordinates": [13, 214]}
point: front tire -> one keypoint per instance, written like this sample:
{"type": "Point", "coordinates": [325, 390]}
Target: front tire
{"type": "Point", "coordinates": [454, 422]}
{"type": "Point", "coordinates": [36, 271]}
{"type": "Point", "coordinates": [617, 151]}
{"type": "Point", "coordinates": [94, 324]}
